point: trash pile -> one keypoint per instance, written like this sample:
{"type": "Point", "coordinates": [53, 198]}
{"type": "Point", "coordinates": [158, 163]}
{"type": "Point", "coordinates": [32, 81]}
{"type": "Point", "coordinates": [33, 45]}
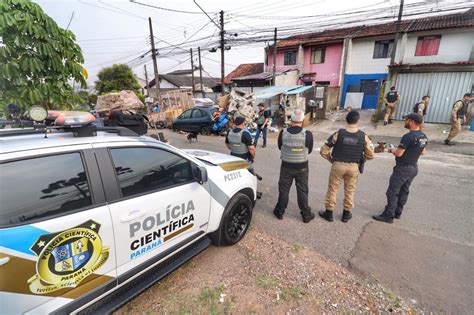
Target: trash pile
{"type": "Point", "coordinates": [239, 103]}
{"type": "Point", "coordinates": [122, 101]}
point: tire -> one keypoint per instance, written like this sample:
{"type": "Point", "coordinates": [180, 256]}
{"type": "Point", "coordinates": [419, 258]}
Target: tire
{"type": "Point", "coordinates": [206, 131]}
{"type": "Point", "coordinates": [235, 221]}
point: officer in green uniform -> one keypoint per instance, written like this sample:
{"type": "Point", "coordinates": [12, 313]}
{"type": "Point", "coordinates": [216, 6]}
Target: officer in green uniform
{"type": "Point", "coordinates": [239, 141]}
{"type": "Point", "coordinates": [295, 143]}
{"type": "Point", "coordinates": [412, 145]}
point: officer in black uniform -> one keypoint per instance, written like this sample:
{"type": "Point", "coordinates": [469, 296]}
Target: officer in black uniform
{"type": "Point", "coordinates": [239, 141]}
{"type": "Point", "coordinates": [295, 144]}
{"type": "Point", "coordinates": [412, 145]}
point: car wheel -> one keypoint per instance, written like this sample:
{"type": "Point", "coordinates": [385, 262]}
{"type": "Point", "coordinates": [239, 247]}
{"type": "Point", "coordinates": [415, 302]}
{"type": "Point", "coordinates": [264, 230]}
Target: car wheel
{"type": "Point", "coordinates": [206, 131]}
{"type": "Point", "coordinates": [235, 221]}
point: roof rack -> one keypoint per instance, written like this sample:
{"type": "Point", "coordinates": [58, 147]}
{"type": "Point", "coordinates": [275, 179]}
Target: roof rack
{"type": "Point", "coordinates": [78, 131]}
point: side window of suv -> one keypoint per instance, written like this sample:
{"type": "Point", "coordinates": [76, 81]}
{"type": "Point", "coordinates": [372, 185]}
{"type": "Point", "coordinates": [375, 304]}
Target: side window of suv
{"type": "Point", "coordinates": [42, 186]}
{"type": "Point", "coordinates": [141, 170]}
{"type": "Point", "coordinates": [197, 113]}
{"type": "Point", "coordinates": [186, 114]}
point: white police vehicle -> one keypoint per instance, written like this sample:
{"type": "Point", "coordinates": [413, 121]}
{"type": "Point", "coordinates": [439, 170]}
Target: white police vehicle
{"type": "Point", "coordinates": [91, 218]}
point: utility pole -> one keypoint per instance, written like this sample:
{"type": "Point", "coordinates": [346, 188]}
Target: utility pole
{"type": "Point", "coordinates": [274, 56]}
{"type": "Point", "coordinates": [200, 72]}
{"type": "Point", "coordinates": [397, 36]}
{"type": "Point", "coordinates": [155, 64]}
{"type": "Point", "coordinates": [192, 70]}
{"type": "Point", "coordinates": [146, 81]}
{"type": "Point", "coordinates": [222, 52]}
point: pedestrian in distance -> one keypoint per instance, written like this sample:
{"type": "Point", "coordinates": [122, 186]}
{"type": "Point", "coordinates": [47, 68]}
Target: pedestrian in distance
{"type": "Point", "coordinates": [458, 117]}
{"type": "Point", "coordinates": [391, 100]}
{"type": "Point", "coordinates": [412, 145]}
{"type": "Point", "coordinates": [421, 108]}
{"type": "Point", "coordinates": [295, 144]}
{"type": "Point", "coordinates": [262, 124]}
{"type": "Point", "coordinates": [239, 141]}
{"type": "Point", "coordinates": [347, 150]}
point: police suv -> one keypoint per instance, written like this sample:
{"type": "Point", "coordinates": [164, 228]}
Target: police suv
{"type": "Point", "coordinates": [91, 217]}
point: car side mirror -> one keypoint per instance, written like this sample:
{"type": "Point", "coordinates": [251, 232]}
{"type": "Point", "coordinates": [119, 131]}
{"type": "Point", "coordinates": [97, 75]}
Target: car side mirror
{"type": "Point", "coordinates": [201, 174]}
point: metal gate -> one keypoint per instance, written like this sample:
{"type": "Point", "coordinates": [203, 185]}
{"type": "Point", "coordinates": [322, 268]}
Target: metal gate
{"type": "Point", "coordinates": [443, 87]}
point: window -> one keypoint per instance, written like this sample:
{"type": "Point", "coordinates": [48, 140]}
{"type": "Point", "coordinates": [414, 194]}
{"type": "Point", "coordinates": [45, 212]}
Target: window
{"type": "Point", "coordinates": [290, 58]}
{"type": "Point", "coordinates": [197, 113]}
{"type": "Point", "coordinates": [318, 55]}
{"type": "Point", "coordinates": [427, 45]}
{"type": "Point", "coordinates": [186, 114]}
{"type": "Point", "coordinates": [383, 49]}
{"type": "Point", "coordinates": [43, 186]}
{"type": "Point", "coordinates": [140, 170]}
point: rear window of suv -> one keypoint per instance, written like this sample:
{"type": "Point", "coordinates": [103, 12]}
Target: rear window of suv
{"type": "Point", "coordinates": [43, 186]}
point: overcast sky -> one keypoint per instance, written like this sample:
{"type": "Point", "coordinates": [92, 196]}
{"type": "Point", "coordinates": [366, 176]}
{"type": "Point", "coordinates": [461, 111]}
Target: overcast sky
{"type": "Point", "coordinates": [116, 31]}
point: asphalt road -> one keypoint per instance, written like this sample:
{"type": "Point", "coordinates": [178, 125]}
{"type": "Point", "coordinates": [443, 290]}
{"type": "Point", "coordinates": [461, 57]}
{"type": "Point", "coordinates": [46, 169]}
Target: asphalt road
{"type": "Point", "coordinates": [426, 257]}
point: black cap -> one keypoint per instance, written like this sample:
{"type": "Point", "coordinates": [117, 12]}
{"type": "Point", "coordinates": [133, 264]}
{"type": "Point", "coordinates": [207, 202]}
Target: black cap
{"type": "Point", "coordinates": [415, 117]}
{"type": "Point", "coordinates": [239, 120]}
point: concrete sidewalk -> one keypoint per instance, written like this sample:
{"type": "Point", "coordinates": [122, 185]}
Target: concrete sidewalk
{"type": "Point", "coordinates": [435, 132]}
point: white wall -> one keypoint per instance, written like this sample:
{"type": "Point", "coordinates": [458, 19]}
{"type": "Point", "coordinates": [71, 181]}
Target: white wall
{"type": "Point", "coordinates": [360, 57]}
{"type": "Point", "coordinates": [454, 46]}
{"type": "Point", "coordinates": [164, 84]}
{"type": "Point", "coordinates": [287, 78]}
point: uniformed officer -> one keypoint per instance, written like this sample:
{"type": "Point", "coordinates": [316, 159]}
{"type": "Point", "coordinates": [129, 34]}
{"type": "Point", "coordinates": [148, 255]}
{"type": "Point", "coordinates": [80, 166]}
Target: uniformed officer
{"type": "Point", "coordinates": [391, 100]}
{"type": "Point", "coordinates": [421, 108]}
{"type": "Point", "coordinates": [412, 145]}
{"type": "Point", "coordinates": [295, 143]}
{"type": "Point", "coordinates": [345, 149]}
{"type": "Point", "coordinates": [458, 117]}
{"type": "Point", "coordinates": [239, 141]}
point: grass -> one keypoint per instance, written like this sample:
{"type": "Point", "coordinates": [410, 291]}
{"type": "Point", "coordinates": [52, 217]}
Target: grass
{"type": "Point", "coordinates": [296, 248]}
{"type": "Point", "coordinates": [266, 281]}
{"type": "Point", "coordinates": [209, 298]}
{"type": "Point", "coordinates": [290, 293]}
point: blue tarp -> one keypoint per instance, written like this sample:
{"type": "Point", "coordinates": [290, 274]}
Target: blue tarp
{"type": "Point", "coordinates": [299, 90]}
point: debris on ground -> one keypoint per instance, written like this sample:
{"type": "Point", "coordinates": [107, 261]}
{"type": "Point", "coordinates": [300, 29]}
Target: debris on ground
{"type": "Point", "coordinates": [263, 274]}
{"type": "Point", "coordinates": [121, 101]}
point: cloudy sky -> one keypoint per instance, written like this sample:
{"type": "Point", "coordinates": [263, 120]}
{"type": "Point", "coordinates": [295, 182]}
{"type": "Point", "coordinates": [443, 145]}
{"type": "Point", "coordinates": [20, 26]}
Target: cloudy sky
{"type": "Point", "coordinates": [116, 31]}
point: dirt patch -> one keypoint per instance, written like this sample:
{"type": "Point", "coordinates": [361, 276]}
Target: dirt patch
{"type": "Point", "coordinates": [263, 274]}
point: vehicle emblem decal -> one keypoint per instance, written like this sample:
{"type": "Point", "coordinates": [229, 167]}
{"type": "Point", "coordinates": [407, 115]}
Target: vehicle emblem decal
{"type": "Point", "coordinates": [67, 257]}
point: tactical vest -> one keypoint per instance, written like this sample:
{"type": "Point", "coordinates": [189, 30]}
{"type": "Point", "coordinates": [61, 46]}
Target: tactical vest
{"type": "Point", "coordinates": [392, 96]}
{"type": "Point", "coordinates": [462, 111]}
{"type": "Point", "coordinates": [293, 148]}
{"type": "Point", "coordinates": [349, 147]}
{"type": "Point", "coordinates": [412, 153]}
{"type": "Point", "coordinates": [417, 105]}
{"type": "Point", "coordinates": [235, 142]}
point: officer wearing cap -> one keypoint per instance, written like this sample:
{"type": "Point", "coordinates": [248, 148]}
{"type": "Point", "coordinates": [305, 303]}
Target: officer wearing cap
{"type": "Point", "coordinates": [391, 100]}
{"type": "Point", "coordinates": [295, 144]}
{"type": "Point", "coordinates": [458, 117]}
{"type": "Point", "coordinates": [239, 141]}
{"type": "Point", "coordinates": [345, 149]}
{"type": "Point", "coordinates": [412, 145]}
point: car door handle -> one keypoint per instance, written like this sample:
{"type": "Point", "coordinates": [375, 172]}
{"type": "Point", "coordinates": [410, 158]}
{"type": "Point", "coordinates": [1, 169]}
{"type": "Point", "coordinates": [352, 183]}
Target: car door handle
{"type": "Point", "coordinates": [132, 216]}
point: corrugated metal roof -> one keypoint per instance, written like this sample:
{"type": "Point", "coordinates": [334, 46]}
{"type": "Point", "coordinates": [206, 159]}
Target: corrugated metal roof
{"type": "Point", "coordinates": [244, 70]}
{"type": "Point", "coordinates": [281, 89]}
{"type": "Point", "coordinates": [300, 90]}
{"type": "Point", "coordinates": [458, 20]}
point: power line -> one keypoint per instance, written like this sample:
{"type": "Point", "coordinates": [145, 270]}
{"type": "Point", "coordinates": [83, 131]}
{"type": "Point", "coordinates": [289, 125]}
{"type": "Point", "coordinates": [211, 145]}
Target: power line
{"type": "Point", "coordinates": [165, 9]}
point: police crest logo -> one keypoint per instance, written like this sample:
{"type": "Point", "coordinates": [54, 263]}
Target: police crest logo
{"type": "Point", "coordinates": [67, 257]}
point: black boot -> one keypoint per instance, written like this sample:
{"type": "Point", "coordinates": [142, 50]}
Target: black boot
{"type": "Point", "coordinates": [382, 218]}
{"type": "Point", "coordinates": [385, 123]}
{"type": "Point", "coordinates": [397, 215]}
{"type": "Point", "coordinates": [449, 142]}
{"type": "Point", "coordinates": [346, 216]}
{"type": "Point", "coordinates": [308, 218]}
{"type": "Point", "coordinates": [278, 215]}
{"type": "Point", "coordinates": [326, 215]}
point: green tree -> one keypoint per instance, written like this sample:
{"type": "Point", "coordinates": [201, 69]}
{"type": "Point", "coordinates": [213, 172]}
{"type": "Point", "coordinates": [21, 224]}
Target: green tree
{"type": "Point", "coordinates": [116, 78]}
{"type": "Point", "coordinates": [38, 59]}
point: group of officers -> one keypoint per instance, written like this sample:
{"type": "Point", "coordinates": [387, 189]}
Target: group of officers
{"type": "Point", "coordinates": [457, 117]}
{"type": "Point", "coordinates": [347, 150]}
